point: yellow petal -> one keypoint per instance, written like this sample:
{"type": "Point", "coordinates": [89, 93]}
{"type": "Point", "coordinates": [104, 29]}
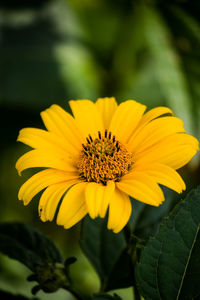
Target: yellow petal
{"type": "Point", "coordinates": [73, 207]}
{"type": "Point", "coordinates": [108, 193]}
{"type": "Point", "coordinates": [174, 151]}
{"type": "Point", "coordinates": [47, 159]}
{"type": "Point", "coordinates": [98, 197]}
{"type": "Point", "coordinates": [119, 211]}
{"type": "Point", "coordinates": [106, 107]}
{"type": "Point", "coordinates": [87, 117]}
{"type": "Point", "coordinates": [58, 121]}
{"type": "Point", "coordinates": [41, 180]}
{"type": "Point", "coordinates": [125, 119]}
{"type": "Point", "coordinates": [51, 198]}
{"type": "Point", "coordinates": [164, 175]}
{"type": "Point", "coordinates": [41, 139]}
{"type": "Point", "coordinates": [154, 132]}
{"type": "Point", "coordinates": [155, 113]}
{"type": "Point", "coordinates": [141, 187]}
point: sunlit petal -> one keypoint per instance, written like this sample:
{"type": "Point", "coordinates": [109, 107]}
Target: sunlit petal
{"type": "Point", "coordinates": [125, 119]}
{"type": "Point", "coordinates": [98, 197]}
{"type": "Point", "coordinates": [87, 117]}
{"type": "Point", "coordinates": [119, 211]}
{"type": "Point", "coordinates": [154, 132]}
{"type": "Point", "coordinates": [48, 159]}
{"type": "Point", "coordinates": [42, 139]}
{"type": "Point", "coordinates": [154, 113]}
{"type": "Point", "coordinates": [58, 121]}
{"type": "Point", "coordinates": [51, 198]}
{"type": "Point", "coordinates": [73, 207]}
{"type": "Point", "coordinates": [41, 180]}
{"type": "Point", "coordinates": [107, 108]}
{"type": "Point", "coordinates": [174, 151]}
{"type": "Point", "coordinates": [141, 187]}
{"type": "Point", "coordinates": [162, 174]}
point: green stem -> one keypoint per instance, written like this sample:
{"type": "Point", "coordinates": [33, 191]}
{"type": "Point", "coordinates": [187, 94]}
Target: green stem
{"type": "Point", "coordinates": [128, 237]}
{"type": "Point", "coordinates": [127, 233]}
{"type": "Point", "coordinates": [136, 293]}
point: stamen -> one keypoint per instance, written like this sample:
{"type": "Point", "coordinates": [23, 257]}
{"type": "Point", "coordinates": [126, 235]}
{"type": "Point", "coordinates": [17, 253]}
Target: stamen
{"type": "Point", "coordinates": [103, 159]}
{"type": "Point", "coordinates": [103, 182]}
{"type": "Point", "coordinates": [106, 132]}
{"type": "Point", "coordinates": [84, 147]}
{"type": "Point", "coordinates": [88, 140]}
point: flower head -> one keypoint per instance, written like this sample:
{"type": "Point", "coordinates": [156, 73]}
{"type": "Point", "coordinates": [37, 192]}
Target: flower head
{"type": "Point", "coordinates": [97, 158]}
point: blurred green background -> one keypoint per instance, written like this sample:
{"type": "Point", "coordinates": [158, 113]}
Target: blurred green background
{"type": "Point", "coordinates": [52, 51]}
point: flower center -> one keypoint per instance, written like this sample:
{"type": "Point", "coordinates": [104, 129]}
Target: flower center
{"type": "Point", "coordinates": [104, 159]}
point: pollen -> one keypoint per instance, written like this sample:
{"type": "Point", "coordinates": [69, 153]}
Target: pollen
{"type": "Point", "coordinates": [103, 159]}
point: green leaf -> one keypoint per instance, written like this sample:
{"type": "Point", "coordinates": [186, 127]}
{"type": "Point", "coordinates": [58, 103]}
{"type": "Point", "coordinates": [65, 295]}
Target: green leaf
{"type": "Point", "coordinates": [122, 273]}
{"type": "Point", "coordinates": [109, 254]}
{"type": "Point", "coordinates": [169, 267]}
{"type": "Point", "coordinates": [37, 252]}
{"type": "Point", "coordinates": [27, 245]}
{"type": "Point", "coordinates": [78, 70]}
{"type": "Point", "coordinates": [134, 64]}
{"type": "Point", "coordinates": [168, 66]}
{"type": "Point", "coordinates": [188, 38]}
{"type": "Point", "coordinates": [102, 247]}
{"type": "Point", "coordinates": [9, 296]}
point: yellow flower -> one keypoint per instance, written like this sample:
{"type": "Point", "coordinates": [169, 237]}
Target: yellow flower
{"type": "Point", "coordinates": [95, 160]}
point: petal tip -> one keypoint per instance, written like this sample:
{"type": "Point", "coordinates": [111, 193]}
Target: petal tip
{"type": "Point", "coordinates": [19, 170]}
